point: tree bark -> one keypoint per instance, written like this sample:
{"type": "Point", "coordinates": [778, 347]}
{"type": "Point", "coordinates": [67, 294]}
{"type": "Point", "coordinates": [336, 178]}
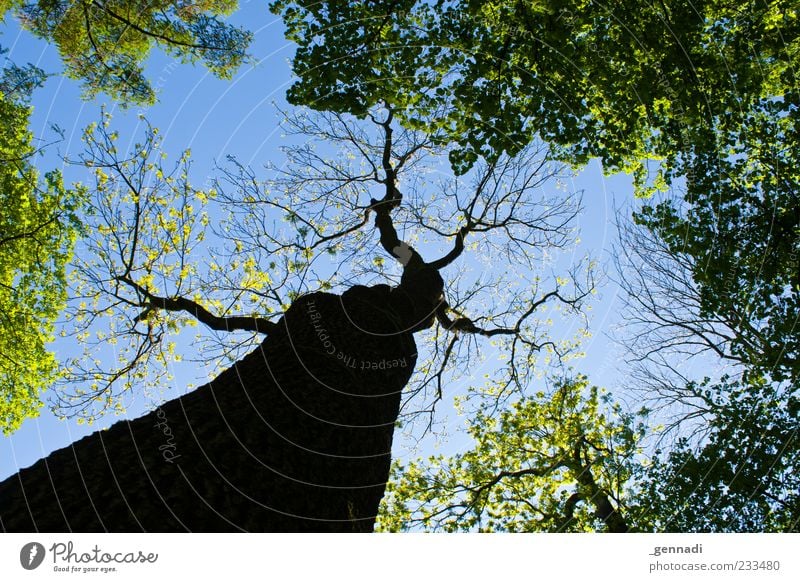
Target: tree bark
{"type": "Point", "coordinates": [296, 436]}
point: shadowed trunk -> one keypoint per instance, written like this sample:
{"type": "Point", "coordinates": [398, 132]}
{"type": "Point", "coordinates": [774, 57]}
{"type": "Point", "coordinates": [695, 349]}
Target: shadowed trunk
{"type": "Point", "coordinates": [296, 436]}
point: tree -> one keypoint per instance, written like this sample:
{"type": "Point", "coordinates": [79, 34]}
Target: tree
{"type": "Point", "coordinates": [736, 421]}
{"type": "Point", "coordinates": [606, 82]}
{"type": "Point", "coordinates": [624, 83]}
{"type": "Point", "coordinates": [551, 462]}
{"type": "Point", "coordinates": [743, 475]}
{"type": "Point", "coordinates": [505, 92]}
{"type": "Point", "coordinates": [143, 227]}
{"type": "Point", "coordinates": [299, 233]}
{"type": "Point", "coordinates": [701, 97]}
{"type": "Point", "coordinates": [666, 329]}
{"type": "Point", "coordinates": [736, 230]}
{"type": "Point", "coordinates": [571, 460]}
{"type": "Point", "coordinates": [322, 393]}
{"type": "Point", "coordinates": [38, 228]}
{"type": "Point", "coordinates": [104, 44]}
{"type": "Point", "coordinates": [293, 437]}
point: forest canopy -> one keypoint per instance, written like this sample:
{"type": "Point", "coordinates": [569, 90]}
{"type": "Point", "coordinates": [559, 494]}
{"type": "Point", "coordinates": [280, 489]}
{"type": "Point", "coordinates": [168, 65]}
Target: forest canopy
{"type": "Point", "coordinates": [441, 135]}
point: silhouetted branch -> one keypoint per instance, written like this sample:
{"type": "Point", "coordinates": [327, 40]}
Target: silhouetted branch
{"type": "Point", "coordinates": [230, 323]}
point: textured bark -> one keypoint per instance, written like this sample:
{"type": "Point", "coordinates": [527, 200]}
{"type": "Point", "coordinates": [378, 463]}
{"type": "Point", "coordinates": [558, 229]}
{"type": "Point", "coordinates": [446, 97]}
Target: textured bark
{"type": "Point", "coordinates": [294, 437]}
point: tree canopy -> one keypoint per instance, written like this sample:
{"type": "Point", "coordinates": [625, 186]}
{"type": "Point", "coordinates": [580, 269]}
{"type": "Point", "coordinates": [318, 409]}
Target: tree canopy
{"type": "Point", "coordinates": [38, 228]}
{"type": "Point", "coordinates": [625, 82]}
{"type": "Point", "coordinates": [743, 476]}
{"type": "Point", "coordinates": [738, 227]}
{"type": "Point", "coordinates": [104, 44]}
{"type": "Point", "coordinates": [702, 96]}
{"type": "Point", "coordinates": [551, 462]}
{"type": "Point", "coordinates": [696, 98]}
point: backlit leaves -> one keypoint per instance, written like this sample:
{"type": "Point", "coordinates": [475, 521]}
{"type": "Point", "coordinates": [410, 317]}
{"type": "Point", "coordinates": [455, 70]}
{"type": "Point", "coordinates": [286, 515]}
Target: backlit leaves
{"type": "Point", "coordinates": [146, 225]}
{"type": "Point", "coordinates": [625, 82]}
{"type": "Point", "coordinates": [105, 43]}
{"type": "Point", "coordinates": [38, 227]}
{"type": "Point", "coordinates": [546, 463]}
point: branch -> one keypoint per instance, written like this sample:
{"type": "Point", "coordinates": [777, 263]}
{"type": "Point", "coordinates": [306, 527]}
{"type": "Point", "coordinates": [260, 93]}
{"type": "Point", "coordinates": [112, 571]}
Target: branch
{"type": "Point", "coordinates": [604, 510]}
{"type": "Point", "coordinates": [458, 248]}
{"type": "Point", "coordinates": [391, 200]}
{"type": "Point", "coordinates": [393, 195]}
{"type": "Point", "coordinates": [465, 324]}
{"type": "Point", "coordinates": [569, 511]}
{"type": "Point", "coordinates": [501, 200]}
{"type": "Point", "coordinates": [150, 33]}
{"type": "Point", "coordinates": [28, 233]}
{"type": "Point", "coordinates": [239, 322]}
{"type": "Point", "coordinates": [535, 471]}
{"type": "Point", "coordinates": [388, 234]}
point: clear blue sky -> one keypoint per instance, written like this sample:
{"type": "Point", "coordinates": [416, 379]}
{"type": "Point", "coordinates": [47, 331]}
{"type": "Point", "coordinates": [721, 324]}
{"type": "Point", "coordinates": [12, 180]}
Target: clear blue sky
{"type": "Point", "coordinates": [216, 118]}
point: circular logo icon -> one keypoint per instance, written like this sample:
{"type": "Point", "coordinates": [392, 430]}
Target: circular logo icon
{"type": "Point", "coordinates": [31, 555]}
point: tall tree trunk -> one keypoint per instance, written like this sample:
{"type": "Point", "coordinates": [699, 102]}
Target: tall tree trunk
{"type": "Point", "coordinates": [294, 437]}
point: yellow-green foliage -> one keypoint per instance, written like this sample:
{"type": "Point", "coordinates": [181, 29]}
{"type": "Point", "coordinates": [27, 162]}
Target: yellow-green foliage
{"type": "Point", "coordinates": [105, 43]}
{"type": "Point", "coordinates": [541, 465]}
{"type": "Point", "coordinates": [38, 226]}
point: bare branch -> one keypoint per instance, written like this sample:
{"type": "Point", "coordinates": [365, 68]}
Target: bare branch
{"type": "Point", "coordinates": [665, 332]}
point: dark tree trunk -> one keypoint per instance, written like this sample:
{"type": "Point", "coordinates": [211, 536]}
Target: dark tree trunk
{"type": "Point", "coordinates": [294, 437]}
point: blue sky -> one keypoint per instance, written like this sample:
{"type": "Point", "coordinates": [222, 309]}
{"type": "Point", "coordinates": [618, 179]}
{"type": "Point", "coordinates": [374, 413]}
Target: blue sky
{"type": "Point", "coordinates": [216, 118]}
